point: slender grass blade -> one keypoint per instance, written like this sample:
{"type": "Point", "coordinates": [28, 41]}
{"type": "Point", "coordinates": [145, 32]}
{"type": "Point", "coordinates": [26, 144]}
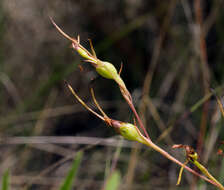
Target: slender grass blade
{"type": "Point", "coordinates": [70, 178]}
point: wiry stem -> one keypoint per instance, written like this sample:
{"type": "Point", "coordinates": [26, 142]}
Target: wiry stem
{"type": "Point", "coordinates": [107, 70]}
{"type": "Point", "coordinates": [206, 172]}
{"type": "Point", "coordinates": [97, 105]}
{"type": "Point", "coordinates": [180, 173]}
{"type": "Point", "coordinates": [128, 99]}
{"type": "Point", "coordinates": [150, 144]}
{"type": "Point", "coordinates": [83, 103]}
{"type": "Point", "coordinates": [92, 58]}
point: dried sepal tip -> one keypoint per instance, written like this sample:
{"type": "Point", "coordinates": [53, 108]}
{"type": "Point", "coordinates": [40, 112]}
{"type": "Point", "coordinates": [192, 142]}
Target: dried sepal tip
{"type": "Point", "coordinates": [82, 102]}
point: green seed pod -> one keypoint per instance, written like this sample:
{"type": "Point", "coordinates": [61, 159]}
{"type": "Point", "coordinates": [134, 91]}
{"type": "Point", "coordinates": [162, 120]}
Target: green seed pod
{"type": "Point", "coordinates": [83, 52]}
{"type": "Point", "coordinates": [128, 131]}
{"type": "Point", "coordinates": [106, 69]}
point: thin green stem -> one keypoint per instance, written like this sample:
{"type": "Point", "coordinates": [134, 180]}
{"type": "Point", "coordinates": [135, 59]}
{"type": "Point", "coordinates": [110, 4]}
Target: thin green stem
{"type": "Point", "coordinates": [205, 98]}
{"type": "Point", "coordinates": [206, 173]}
{"type": "Point", "coordinates": [150, 144]}
{"type": "Point", "coordinates": [147, 141]}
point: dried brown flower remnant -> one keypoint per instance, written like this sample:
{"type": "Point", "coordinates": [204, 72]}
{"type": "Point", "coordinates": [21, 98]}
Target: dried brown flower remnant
{"type": "Point", "coordinates": [190, 152]}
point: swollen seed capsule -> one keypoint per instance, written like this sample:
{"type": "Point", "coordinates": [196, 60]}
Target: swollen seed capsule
{"type": "Point", "coordinates": [83, 52]}
{"type": "Point", "coordinates": [106, 70]}
{"type": "Point", "coordinates": [129, 131]}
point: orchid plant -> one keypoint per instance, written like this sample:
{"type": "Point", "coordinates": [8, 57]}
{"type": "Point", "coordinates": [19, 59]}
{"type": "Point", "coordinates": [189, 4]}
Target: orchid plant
{"type": "Point", "coordinates": [128, 130]}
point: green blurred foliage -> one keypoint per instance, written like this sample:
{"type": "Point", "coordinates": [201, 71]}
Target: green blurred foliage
{"type": "Point", "coordinates": [70, 178]}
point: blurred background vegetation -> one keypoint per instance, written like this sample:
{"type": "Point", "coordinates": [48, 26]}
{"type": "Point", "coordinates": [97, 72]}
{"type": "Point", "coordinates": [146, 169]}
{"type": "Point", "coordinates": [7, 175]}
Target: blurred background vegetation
{"type": "Point", "coordinates": [172, 54]}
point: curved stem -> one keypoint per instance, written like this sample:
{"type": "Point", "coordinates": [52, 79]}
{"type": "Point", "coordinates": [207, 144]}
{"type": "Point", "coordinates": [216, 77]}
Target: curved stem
{"type": "Point", "coordinates": [206, 172]}
{"type": "Point", "coordinates": [83, 103]}
{"type": "Point", "coordinates": [128, 99]}
{"type": "Point", "coordinates": [150, 144]}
